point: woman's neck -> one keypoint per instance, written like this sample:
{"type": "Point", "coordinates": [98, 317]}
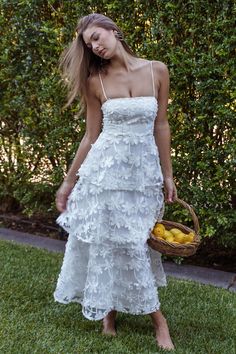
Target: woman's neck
{"type": "Point", "coordinates": [123, 60]}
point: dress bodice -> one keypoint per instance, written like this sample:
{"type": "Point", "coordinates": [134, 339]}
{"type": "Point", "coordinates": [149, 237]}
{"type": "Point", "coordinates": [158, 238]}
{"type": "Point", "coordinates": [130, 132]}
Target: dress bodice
{"type": "Point", "coordinates": [131, 115]}
{"type": "Point", "coordinates": [125, 155]}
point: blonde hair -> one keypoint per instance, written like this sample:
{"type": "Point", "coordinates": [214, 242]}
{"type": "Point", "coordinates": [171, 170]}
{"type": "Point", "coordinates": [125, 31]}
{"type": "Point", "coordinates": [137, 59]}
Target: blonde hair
{"type": "Point", "coordinates": [78, 61]}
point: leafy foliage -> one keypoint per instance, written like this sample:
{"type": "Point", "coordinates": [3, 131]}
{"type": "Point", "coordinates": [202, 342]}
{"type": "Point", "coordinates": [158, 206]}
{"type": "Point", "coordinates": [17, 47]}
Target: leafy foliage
{"type": "Point", "coordinates": [196, 39]}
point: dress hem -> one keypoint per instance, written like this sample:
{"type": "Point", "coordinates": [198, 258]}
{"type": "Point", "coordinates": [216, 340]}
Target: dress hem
{"type": "Point", "coordinates": [115, 308]}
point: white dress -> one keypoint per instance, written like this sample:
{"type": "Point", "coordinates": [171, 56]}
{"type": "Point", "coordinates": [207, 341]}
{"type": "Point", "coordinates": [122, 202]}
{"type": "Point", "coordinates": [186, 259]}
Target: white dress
{"type": "Point", "coordinates": [110, 212]}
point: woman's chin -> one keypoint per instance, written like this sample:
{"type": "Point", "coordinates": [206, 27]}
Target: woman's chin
{"type": "Point", "coordinates": [105, 55]}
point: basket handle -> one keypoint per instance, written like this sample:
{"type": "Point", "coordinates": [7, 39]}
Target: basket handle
{"type": "Point", "coordinates": [192, 213]}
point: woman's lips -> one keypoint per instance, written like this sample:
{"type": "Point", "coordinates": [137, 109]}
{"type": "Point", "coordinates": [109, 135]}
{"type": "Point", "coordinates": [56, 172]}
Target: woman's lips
{"type": "Point", "coordinates": [101, 52]}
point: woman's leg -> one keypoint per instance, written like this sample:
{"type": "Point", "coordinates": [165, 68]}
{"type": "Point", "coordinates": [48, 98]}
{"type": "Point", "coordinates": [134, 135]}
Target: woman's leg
{"type": "Point", "coordinates": [162, 331]}
{"type": "Point", "coordinates": [109, 323]}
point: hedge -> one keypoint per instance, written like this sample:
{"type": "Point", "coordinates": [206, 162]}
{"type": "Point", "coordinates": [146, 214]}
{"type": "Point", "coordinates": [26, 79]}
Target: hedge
{"type": "Point", "coordinates": [195, 38]}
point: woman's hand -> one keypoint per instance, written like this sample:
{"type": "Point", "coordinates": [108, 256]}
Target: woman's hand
{"type": "Point", "coordinates": [170, 190]}
{"type": "Point", "coordinates": [62, 195]}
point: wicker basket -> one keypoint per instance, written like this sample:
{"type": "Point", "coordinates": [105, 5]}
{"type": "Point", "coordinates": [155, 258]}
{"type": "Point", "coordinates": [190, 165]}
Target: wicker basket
{"type": "Point", "coordinates": [177, 249]}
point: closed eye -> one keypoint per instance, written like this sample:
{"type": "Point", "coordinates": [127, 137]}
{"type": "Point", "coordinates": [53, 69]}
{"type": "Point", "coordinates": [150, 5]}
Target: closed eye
{"type": "Point", "coordinates": [93, 37]}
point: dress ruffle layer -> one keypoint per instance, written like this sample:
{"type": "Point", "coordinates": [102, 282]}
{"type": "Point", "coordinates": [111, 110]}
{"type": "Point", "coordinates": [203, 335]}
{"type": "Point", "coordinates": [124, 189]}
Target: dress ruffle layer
{"type": "Point", "coordinates": [117, 217]}
{"type": "Point", "coordinates": [102, 278]}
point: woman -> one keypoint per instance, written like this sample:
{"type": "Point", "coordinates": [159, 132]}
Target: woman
{"type": "Point", "coordinates": [111, 209]}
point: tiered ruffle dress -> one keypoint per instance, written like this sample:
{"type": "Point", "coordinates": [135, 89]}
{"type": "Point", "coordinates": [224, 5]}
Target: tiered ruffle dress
{"type": "Point", "coordinates": [110, 212]}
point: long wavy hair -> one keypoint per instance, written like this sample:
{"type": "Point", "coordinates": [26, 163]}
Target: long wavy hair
{"type": "Point", "coordinates": [78, 61]}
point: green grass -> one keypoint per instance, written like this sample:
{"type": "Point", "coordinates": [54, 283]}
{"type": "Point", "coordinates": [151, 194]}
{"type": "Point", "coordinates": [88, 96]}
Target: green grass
{"type": "Point", "coordinates": [201, 318]}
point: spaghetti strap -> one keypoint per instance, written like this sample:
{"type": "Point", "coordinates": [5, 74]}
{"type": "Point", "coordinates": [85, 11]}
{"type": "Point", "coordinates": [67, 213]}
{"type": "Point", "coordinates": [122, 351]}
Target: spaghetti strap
{"type": "Point", "coordinates": [153, 84]}
{"type": "Point", "coordinates": [103, 90]}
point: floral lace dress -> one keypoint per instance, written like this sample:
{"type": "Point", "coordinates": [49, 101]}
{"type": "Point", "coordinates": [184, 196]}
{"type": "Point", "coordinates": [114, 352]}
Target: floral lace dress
{"type": "Point", "coordinates": [110, 212]}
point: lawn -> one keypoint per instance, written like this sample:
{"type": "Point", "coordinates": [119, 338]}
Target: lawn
{"type": "Point", "coordinates": [202, 319]}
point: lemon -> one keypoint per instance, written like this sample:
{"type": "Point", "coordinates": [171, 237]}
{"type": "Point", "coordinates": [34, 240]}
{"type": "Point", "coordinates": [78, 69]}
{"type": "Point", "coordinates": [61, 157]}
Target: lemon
{"type": "Point", "coordinates": [159, 231]}
{"type": "Point", "coordinates": [180, 237]}
{"type": "Point", "coordinates": [169, 238]}
{"type": "Point", "coordinates": [161, 226]}
{"type": "Point", "coordinates": [190, 237]}
{"type": "Point", "coordinates": [158, 236]}
{"type": "Point", "coordinates": [167, 234]}
{"type": "Point", "coordinates": [175, 231]}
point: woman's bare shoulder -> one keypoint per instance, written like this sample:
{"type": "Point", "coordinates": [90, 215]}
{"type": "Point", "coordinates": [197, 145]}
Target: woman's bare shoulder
{"type": "Point", "coordinates": [92, 81]}
{"type": "Point", "coordinates": [160, 67]}
{"type": "Point", "coordinates": [93, 86]}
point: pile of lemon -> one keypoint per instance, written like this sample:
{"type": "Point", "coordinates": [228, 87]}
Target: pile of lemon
{"type": "Point", "coordinates": [173, 235]}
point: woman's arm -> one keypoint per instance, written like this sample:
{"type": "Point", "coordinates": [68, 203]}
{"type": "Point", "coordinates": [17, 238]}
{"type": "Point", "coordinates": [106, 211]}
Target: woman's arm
{"type": "Point", "coordinates": [162, 129]}
{"type": "Point", "coordinates": [93, 129]}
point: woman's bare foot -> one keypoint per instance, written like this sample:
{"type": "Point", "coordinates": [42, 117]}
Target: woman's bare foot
{"type": "Point", "coordinates": [109, 323]}
{"type": "Point", "coordinates": [162, 331]}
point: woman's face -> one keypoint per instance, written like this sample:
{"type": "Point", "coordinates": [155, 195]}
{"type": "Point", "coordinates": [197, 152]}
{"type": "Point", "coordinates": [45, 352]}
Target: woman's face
{"type": "Point", "coordinates": [102, 42]}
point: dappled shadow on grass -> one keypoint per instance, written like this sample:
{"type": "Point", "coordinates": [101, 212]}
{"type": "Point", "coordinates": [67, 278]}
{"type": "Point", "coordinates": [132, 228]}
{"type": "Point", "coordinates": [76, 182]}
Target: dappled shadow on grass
{"type": "Point", "coordinates": [139, 324]}
{"type": "Point", "coordinates": [70, 316]}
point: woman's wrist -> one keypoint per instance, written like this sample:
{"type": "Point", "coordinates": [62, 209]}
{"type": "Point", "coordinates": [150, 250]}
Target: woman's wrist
{"type": "Point", "coordinates": [168, 178]}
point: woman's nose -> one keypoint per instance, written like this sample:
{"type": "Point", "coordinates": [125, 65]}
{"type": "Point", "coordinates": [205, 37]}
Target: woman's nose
{"type": "Point", "coordinates": [95, 46]}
